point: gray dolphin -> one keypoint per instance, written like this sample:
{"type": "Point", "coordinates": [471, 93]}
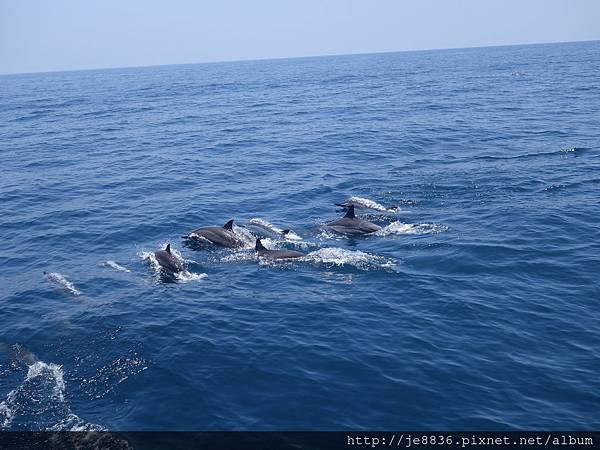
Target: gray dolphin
{"type": "Point", "coordinates": [168, 260]}
{"type": "Point", "coordinates": [264, 252]}
{"type": "Point", "coordinates": [352, 225]}
{"type": "Point", "coordinates": [223, 236]}
{"type": "Point", "coordinates": [262, 231]}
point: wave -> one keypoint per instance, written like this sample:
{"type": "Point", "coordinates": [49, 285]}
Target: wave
{"type": "Point", "coordinates": [116, 266]}
{"type": "Point", "coordinates": [60, 280]}
{"type": "Point", "coordinates": [410, 228]}
{"type": "Point", "coordinates": [39, 403]}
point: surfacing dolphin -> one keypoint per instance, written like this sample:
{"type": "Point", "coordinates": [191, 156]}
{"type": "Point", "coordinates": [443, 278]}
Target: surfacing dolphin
{"type": "Point", "coordinates": [351, 225]}
{"type": "Point", "coordinates": [365, 203]}
{"type": "Point", "coordinates": [264, 252]}
{"type": "Point", "coordinates": [168, 260]}
{"type": "Point", "coordinates": [224, 236]}
{"type": "Point", "coordinates": [263, 231]}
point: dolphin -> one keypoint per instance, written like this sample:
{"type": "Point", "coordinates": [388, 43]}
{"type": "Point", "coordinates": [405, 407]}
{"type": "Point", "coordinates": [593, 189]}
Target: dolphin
{"type": "Point", "coordinates": [264, 252]}
{"type": "Point", "coordinates": [223, 236]}
{"type": "Point", "coordinates": [352, 225]}
{"type": "Point", "coordinates": [365, 203]}
{"type": "Point", "coordinates": [262, 231]}
{"type": "Point", "coordinates": [168, 260]}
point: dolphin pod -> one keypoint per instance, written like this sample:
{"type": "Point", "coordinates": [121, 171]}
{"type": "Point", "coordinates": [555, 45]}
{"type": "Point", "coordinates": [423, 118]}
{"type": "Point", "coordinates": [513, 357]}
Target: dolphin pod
{"type": "Point", "coordinates": [225, 236]}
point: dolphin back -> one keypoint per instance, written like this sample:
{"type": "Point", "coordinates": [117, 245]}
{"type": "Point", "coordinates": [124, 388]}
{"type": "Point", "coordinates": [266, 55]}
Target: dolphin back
{"type": "Point", "coordinates": [169, 261]}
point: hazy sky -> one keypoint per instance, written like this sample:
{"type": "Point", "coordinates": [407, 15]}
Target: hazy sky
{"type": "Point", "coordinates": [47, 35]}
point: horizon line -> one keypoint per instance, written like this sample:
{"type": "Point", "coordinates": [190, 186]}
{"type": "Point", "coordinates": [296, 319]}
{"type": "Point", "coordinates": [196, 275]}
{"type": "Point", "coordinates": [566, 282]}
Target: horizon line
{"type": "Point", "coordinates": [276, 58]}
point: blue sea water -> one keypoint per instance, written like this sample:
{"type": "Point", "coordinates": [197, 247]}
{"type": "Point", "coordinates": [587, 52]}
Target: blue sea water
{"type": "Point", "coordinates": [477, 307]}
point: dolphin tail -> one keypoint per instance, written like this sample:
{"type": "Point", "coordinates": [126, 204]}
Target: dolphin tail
{"type": "Point", "coordinates": [259, 246]}
{"type": "Point", "coordinates": [350, 214]}
{"type": "Point", "coordinates": [229, 225]}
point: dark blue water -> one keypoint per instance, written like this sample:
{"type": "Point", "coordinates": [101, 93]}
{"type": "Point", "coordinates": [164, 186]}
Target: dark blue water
{"type": "Point", "coordinates": [477, 307]}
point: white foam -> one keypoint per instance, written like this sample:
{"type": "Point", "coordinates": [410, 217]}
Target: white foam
{"type": "Point", "coordinates": [410, 228]}
{"type": "Point", "coordinates": [116, 266]}
{"type": "Point", "coordinates": [7, 415]}
{"type": "Point", "coordinates": [370, 204]}
{"type": "Point", "coordinates": [342, 257]}
{"type": "Point", "coordinates": [247, 238]}
{"type": "Point", "coordinates": [60, 280]}
{"type": "Point", "coordinates": [187, 276]}
{"type": "Point", "coordinates": [149, 256]}
{"type": "Point", "coordinates": [54, 373]}
{"type": "Point", "coordinates": [40, 398]}
{"type": "Point", "coordinates": [239, 255]}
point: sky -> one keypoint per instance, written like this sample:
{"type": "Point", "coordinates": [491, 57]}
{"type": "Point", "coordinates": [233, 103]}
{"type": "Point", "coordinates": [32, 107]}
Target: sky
{"type": "Point", "coordinates": [42, 35]}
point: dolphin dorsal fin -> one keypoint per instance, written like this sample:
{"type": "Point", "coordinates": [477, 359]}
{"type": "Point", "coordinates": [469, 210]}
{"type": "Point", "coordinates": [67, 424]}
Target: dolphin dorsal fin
{"type": "Point", "coordinates": [229, 225]}
{"type": "Point", "coordinates": [350, 214]}
{"type": "Point", "coordinates": [259, 245]}
{"type": "Point", "coordinates": [168, 248]}
{"type": "Point", "coordinates": [284, 232]}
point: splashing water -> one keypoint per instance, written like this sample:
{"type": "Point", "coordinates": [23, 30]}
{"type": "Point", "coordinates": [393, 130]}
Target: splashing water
{"type": "Point", "coordinates": [341, 257]}
{"type": "Point", "coordinates": [39, 403]}
{"type": "Point", "coordinates": [149, 256]}
{"type": "Point", "coordinates": [187, 276]}
{"type": "Point", "coordinates": [409, 228]}
{"type": "Point", "coordinates": [60, 280]}
{"type": "Point", "coordinates": [245, 235]}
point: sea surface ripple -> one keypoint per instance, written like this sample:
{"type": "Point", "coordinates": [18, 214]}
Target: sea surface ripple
{"type": "Point", "coordinates": [476, 307]}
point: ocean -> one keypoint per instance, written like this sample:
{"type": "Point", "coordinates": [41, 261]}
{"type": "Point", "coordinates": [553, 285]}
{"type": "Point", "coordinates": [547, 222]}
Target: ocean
{"type": "Point", "coordinates": [476, 306]}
